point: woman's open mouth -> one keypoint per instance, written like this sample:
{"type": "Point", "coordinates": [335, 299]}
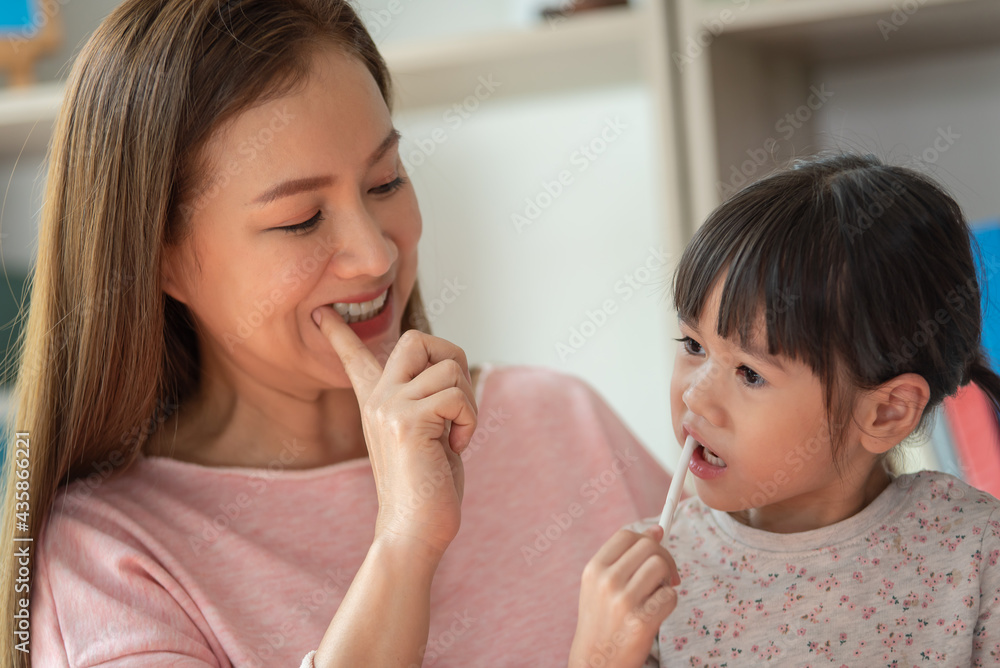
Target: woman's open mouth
{"type": "Point", "coordinates": [359, 312]}
{"type": "Point", "coordinates": [370, 318]}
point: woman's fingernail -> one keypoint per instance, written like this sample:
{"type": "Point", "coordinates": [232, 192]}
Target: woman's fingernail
{"type": "Point", "coordinates": [316, 316]}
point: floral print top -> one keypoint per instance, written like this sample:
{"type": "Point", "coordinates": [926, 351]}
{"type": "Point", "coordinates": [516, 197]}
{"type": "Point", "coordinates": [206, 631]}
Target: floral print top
{"type": "Point", "coordinates": [911, 580]}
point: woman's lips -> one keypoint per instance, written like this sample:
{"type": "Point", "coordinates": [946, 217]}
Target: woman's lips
{"type": "Point", "coordinates": [380, 324]}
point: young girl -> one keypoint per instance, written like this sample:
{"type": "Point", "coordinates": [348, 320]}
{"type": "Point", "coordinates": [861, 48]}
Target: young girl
{"type": "Point", "coordinates": [825, 311]}
{"type": "Point", "coordinates": [211, 468]}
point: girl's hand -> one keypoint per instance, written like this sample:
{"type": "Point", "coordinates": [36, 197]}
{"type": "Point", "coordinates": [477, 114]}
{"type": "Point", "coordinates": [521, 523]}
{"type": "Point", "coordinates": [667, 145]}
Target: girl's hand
{"type": "Point", "coordinates": [418, 414]}
{"type": "Point", "coordinates": [624, 598]}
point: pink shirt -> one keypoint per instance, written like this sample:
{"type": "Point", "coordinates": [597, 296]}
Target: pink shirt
{"type": "Point", "coordinates": [177, 564]}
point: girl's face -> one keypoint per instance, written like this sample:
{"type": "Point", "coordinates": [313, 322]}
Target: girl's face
{"type": "Point", "coordinates": [761, 423]}
{"type": "Point", "coordinates": [305, 204]}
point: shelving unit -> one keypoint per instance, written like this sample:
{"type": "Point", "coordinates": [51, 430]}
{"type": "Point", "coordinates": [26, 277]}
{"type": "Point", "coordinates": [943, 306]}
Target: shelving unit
{"type": "Point", "coordinates": [594, 49]}
{"type": "Point", "coordinates": [560, 82]}
{"type": "Point", "coordinates": [760, 66]}
{"type": "Point", "coordinates": [588, 50]}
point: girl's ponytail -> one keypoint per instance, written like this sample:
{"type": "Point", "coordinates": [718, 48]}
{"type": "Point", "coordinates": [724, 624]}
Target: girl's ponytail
{"type": "Point", "coordinates": [981, 373]}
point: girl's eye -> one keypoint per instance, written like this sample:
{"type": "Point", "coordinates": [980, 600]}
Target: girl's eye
{"type": "Point", "coordinates": [390, 187]}
{"type": "Point", "coordinates": [691, 346]}
{"type": "Point", "coordinates": [751, 377]}
{"type": "Point", "coordinates": [304, 226]}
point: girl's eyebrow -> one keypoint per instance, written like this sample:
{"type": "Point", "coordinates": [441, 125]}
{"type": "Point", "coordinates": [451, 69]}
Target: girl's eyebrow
{"type": "Point", "coordinates": [754, 351]}
{"type": "Point", "coordinates": [765, 357]}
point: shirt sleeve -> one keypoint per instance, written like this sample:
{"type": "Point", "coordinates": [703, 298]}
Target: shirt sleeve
{"type": "Point", "coordinates": [99, 599]}
{"type": "Point", "coordinates": [986, 636]}
{"type": "Point", "coordinates": [307, 662]}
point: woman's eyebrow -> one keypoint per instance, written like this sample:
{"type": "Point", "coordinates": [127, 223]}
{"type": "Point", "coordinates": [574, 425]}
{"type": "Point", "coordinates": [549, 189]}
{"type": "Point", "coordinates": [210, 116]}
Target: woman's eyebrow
{"type": "Point", "coordinates": [292, 187]}
{"type": "Point", "coordinates": [296, 186]}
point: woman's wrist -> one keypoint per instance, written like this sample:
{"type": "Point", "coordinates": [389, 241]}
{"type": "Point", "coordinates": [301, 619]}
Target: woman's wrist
{"type": "Point", "coordinates": [410, 554]}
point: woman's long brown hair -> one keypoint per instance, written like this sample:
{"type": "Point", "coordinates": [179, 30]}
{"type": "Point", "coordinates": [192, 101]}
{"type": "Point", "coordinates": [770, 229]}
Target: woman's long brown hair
{"type": "Point", "coordinates": [105, 355]}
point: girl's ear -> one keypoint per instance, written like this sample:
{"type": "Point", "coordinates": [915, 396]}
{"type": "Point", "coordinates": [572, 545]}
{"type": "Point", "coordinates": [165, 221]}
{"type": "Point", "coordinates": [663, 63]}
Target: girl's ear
{"type": "Point", "coordinates": [892, 411]}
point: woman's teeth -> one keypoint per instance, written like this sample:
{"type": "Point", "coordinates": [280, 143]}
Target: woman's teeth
{"type": "Point", "coordinates": [355, 312]}
{"type": "Point", "coordinates": [711, 457]}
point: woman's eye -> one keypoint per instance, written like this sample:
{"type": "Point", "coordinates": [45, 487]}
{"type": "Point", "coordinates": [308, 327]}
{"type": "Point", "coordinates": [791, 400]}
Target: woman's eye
{"type": "Point", "coordinates": [306, 225]}
{"type": "Point", "coordinates": [390, 187]}
{"type": "Point", "coordinates": [691, 346]}
{"type": "Point", "coordinates": [751, 377]}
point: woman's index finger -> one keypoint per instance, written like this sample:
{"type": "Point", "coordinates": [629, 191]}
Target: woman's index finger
{"type": "Point", "coordinates": [360, 364]}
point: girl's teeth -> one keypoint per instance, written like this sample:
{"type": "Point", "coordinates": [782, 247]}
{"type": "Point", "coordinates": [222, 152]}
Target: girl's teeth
{"type": "Point", "coordinates": [355, 312]}
{"type": "Point", "coordinates": [711, 458]}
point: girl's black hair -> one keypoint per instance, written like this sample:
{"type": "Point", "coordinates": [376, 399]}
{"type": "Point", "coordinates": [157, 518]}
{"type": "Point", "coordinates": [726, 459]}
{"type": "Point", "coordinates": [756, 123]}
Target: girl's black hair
{"type": "Point", "coordinates": [862, 270]}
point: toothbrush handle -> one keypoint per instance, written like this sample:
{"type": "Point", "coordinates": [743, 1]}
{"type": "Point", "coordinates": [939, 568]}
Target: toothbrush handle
{"type": "Point", "coordinates": [676, 486]}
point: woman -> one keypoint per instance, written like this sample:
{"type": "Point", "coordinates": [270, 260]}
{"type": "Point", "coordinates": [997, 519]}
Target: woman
{"type": "Point", "coordinates": [222, 471]}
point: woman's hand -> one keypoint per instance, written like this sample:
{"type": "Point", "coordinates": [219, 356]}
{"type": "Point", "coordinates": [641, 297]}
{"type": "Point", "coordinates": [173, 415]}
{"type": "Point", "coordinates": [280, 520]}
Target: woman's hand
{"type": "Point", "coordinates": [418, 414]}
{"type": "Point", "coordinates": [624, 598]}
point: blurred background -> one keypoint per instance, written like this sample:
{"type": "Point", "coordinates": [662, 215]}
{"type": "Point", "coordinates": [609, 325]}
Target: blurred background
{"type": "Point", "coordinates": [563, 153]}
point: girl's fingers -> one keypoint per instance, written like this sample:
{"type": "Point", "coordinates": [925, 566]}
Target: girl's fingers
{"type": "Point", "coordinates": [656, 607]}
{"type": "Point", "coordinates": [614, 548]}
{"type": "Point", "coordinates": [651, 574]}
{"type": "Point", "coordinates": [454, 405]}
{"type": "Point", "coordinates": [362, 368]}
{"type": "Point", "coordinates": [416, 351]}
{"type": "Point", "coordinates": [644, 548]}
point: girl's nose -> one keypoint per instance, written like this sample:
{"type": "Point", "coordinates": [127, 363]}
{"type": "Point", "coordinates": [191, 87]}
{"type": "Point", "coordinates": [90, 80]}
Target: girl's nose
{"type": "Point", "coordinates": [701, 395]}
{"type": "Point", "coordinates": [363, 246]}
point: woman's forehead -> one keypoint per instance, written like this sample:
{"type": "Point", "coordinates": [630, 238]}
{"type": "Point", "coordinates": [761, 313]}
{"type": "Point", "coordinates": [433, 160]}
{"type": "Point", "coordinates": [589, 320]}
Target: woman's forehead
{"type": "Point", "coordinates": [332, 113]}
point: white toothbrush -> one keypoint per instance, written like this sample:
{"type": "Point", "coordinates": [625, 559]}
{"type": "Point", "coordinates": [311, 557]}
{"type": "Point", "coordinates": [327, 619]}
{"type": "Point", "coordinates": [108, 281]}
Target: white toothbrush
{"type": "Point", "coordinates": [676, 487]}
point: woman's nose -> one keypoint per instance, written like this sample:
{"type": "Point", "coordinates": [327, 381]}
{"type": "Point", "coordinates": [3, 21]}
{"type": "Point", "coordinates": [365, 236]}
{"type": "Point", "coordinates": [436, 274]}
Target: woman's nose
{"type": "Point", "coordinates": [363, 247]}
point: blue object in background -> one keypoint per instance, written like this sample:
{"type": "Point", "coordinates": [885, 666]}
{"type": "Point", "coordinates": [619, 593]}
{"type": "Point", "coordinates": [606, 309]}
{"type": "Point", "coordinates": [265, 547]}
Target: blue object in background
{"type": "Point", "coordinates": [16, 15]}
{"type": "Point", "coordinates": [987, 235]}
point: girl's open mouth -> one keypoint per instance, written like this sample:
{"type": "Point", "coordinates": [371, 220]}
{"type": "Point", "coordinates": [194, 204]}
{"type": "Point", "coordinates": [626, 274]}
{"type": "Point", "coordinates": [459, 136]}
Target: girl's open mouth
{"type": "Point", "coordinates": [711, 457]}
{"type": "Point", "coordinates": [705, 463]}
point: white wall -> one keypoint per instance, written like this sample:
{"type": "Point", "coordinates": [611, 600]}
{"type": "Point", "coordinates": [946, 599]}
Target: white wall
{"type": "Point", "coordinates": [529, 284]}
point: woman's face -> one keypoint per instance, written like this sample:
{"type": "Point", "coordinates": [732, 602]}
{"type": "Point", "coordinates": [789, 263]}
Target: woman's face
{"type": "Point", "coordinates": [304, 203]}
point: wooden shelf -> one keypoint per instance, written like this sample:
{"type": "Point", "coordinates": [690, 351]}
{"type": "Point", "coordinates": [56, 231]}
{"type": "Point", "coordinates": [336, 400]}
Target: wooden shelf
{"type": "Point", "coordinates": [765, 57]}
{"type": "Point", "coordinates": [595, 48]}
{"type": "Point", "coordinates": [27, 116]}
{"type": "Point", "coordinates": [827, 30]}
